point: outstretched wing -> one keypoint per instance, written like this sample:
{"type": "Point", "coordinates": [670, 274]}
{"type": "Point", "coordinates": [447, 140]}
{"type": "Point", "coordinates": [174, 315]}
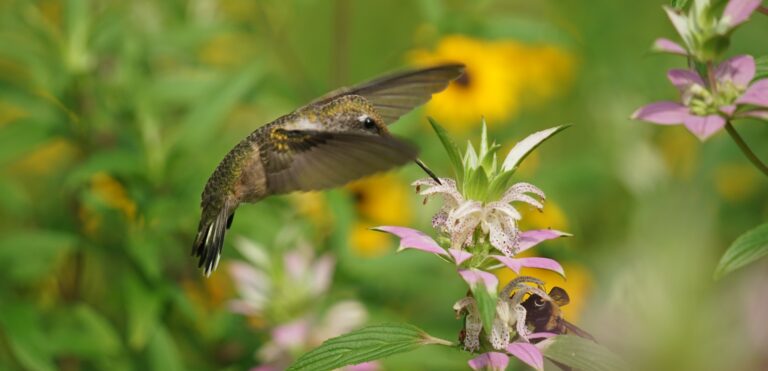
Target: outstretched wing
{"type": "Point", "coordinates": [303, 160]}
{"type": "Point", "coordinates": [395, 95]}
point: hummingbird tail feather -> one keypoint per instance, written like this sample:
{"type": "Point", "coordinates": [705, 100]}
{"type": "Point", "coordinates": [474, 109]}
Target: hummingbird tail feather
{"type": "Point", "coordinates": [210, 239]}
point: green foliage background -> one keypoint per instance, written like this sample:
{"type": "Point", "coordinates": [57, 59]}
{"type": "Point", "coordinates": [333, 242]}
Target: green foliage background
{"type": "Point", "coordinates": [155, 93]}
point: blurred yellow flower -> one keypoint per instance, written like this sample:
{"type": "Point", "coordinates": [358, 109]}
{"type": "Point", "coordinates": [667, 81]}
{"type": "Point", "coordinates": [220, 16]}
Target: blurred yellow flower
{"type": "Point", "coordinates": [8, 112]}
{"type": "Point", "coordinates": [552, 216]}
{"type": "Point", "coordinates": [313, 206]}
{"type": "Point", "coordinates": [381, 199]}
{"type": "Point", "coordinates": [736, 182]}
{"type": "Point", "coordinates": [499, 77]}
{"type": "Point", "coordinates": [47, 157]}
{"type": "Point", "coordinates": [113, 194]}
{"type": "Point", "coordinates": [368, 243]}
{"type": "Point", "coordinates": [680, 150]}
{"type": "Point", "coordinates": [578, 285]}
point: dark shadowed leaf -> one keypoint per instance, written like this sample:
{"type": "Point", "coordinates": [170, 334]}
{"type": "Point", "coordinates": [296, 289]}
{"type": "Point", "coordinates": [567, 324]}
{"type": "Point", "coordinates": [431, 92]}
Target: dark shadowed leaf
{"type": "Point", "coordinates": [581, 354]}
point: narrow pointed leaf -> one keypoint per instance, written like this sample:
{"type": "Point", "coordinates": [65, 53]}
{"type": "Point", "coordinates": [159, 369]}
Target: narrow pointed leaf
{"type": "Point", "coordinates": [450, 148]}
{"type": "Point", "coordinates": [747, 248]}
{"type": "Point", "coordinates": [581, 354]}
{"type": "Point", "coordinates": [525, 146]}
{"type": "Point", "coordinates": [367, 344]}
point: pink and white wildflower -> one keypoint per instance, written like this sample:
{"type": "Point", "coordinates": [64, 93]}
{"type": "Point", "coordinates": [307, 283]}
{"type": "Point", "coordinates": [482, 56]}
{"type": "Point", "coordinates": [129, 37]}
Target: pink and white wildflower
{"type": "Point", "coordinates": [460, 217]}
{"type": "Point", "coordinates": [702, 31]}
{"type": "Point", "coordinates": [271, 287]}
{"type": "Point", "coordinates": [704, 109]}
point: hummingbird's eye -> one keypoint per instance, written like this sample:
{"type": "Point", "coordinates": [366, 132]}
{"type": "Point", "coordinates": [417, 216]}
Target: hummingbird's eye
{"type": "Point", "coordinates": [538, 302]}
{"type": "Point", "coordinates": [369, 123]}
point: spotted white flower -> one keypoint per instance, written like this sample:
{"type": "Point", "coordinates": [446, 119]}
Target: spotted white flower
{"type": "Point", "coordinates": [460, 217]}
{"type": "Point", "coordinates": [509, 324]}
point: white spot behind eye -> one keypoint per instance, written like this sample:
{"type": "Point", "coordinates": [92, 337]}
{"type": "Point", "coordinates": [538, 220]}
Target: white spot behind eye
{"type": "Point", "coordinates": [362, 118]}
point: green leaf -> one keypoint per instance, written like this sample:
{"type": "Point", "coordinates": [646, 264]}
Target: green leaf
{"type": "Point", "coordinates": [486, 305]}
{"type": "Point", "coordinates": [761, 68]}
{"type": "Point", "coordinates": [499, 185]}
{"type": "Point", "coordinates": [202, 121]}
{"type": "Point", "coordinates": [450, 148]}
{"type": "Point", "coordinates": [29, 255]}
{"type": "Point", "coordinates": [21, 325]}
{"type": "Point", "coordinates": [679, 4]}
{"type": "Point", "coordinates": [521, 150]}
{"type": "Point", "coordinates": [475, 184]}
{"type": "Point", "coordinates": [581, 354]}
{"type": "Point", "coordinates": [163, 353]}
{"type": "Point", "coordinates": [747, 248]}
{"type": "Point", "coordinates": [84, 332]}
{"type": "Point", "coordinates": [143, 305]}
{"type": "Point", "coordinates": [364, 345]}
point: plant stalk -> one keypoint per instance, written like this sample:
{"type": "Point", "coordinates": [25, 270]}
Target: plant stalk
{"type": "Point", "coordinates": [745, 148]}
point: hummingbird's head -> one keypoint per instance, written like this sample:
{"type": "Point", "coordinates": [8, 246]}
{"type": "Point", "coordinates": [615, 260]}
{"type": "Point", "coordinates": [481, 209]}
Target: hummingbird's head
{"type": "Point", "coordinates": [352, 113]}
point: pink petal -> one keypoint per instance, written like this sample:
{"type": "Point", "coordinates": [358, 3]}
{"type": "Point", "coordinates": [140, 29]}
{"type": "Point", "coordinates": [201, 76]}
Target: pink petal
{"type": "Point", "coordinates": [516, 264]}
{"type": "Point", "coordinates": [322, 273]}
{"type": "Point", "coordinates": [728, 110]}
{"type": "Point", "coordinates": [292, 334]}
{"type": "Point", "coordinates": [413, 239]}
{"type": "Point", "coordinates": [739, 69]}
{"type": "Point", "coordinates": [738, 11]}
{"type": "Point", "coordinates": [683, 79]}
{"type": "Point", "coordinates": [527, 353]}
{"type": "Point", "coordinates": [473, 277]}
{"type": "Point", "coordinates": [756, 94]}
{"type": "Point", "coordinates": [459, 256]}
{"type": "Point", "coordinates": [758, 114]}
{"type": "Point", "coordinates": [533, 237]}
{"type": "Point", "coordinates": [704, 126]}
{"type": "Point", "coordinates": [296, 263]}
{"type": "Point", "coordinates": [493, 360]}
{"type": "Point", "coordinates": [663, 113]}
{"type": "Point", "coordinates": [668, 46]}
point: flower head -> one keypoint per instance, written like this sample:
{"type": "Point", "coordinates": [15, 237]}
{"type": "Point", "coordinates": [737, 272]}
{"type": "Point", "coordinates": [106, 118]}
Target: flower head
{"type": "Point", "coordinates": [282, 290]}
{"type": "Point", "coordinates": [499, 78]}
{"type": "Point", "coordinates": [705, 34]}
{"type": "Point", "coordinates": [704, 109]}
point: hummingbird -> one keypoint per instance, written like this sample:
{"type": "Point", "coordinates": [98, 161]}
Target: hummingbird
{"type": "Point", "coordinates": [337, 138]}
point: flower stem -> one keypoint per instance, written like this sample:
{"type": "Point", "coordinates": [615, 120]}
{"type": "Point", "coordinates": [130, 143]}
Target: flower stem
{"type": "Point", "coordinates": [711, 78]}
{"type": "Point", "coordinates": [763, 9]}
{"type": "Point", "coordinates": [745, 148]}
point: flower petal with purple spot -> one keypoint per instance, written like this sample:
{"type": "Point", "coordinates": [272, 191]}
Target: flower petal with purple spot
{"type": "Point", "coordinates": [491, 360]}
{"type": "Point", "coordinates": [756, 94]}
{"type": "Point", "coordinates": [738, 11]}
{"type": "Point", "coordinates": [704, 126]}
{"type": "Point", "coordinates": [662, 113]}
{"type": "Point", "coordinates": [533, 237]}
{"type": "Point", "coordinates": [527, 353]}
{"type": "Point", "coordinates": [668, 46]}
{"type": "Point", "coordinates": [413, 239]}
{"type": "Point", "coordinates": [739, 69]}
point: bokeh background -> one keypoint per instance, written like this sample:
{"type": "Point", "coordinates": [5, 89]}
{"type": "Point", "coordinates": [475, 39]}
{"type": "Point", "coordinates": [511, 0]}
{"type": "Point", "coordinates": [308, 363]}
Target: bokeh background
{"type": "Point", "coordinates": [114, 113]}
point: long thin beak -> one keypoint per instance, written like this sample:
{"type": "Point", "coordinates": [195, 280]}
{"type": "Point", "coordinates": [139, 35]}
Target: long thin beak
{"type": "Point", "coordinates": [426, 170]}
